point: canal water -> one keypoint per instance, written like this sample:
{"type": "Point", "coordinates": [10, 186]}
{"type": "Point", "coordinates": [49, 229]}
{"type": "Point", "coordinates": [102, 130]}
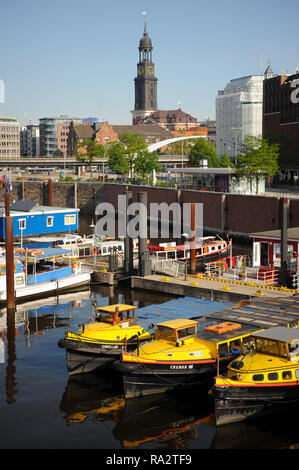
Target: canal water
{"type": "Point", "coordinates": [42, 407]}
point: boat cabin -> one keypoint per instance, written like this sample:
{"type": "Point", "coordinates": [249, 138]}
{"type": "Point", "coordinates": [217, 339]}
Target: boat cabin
{"type": "Point", "coordinates": [176, 330]}
{"type": "Point", "coordinates": [278, 341]}
{"type": "Point", "coordinates": [118, 314]}
{"type": "Point", "coordinates": [266, 248]}
{"type": "Point", "coordinates": [30, 219]}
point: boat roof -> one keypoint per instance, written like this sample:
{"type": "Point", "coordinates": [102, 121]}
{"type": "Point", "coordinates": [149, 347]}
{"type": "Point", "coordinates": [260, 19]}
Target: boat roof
{"type": "Point", "coordinates": [178, 323]}
{"type": "Point", "coordinates": [112, 308]}
{"type": "Point", "coordinates": [279, 333]}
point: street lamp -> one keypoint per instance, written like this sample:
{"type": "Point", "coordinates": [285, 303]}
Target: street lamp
{"type": "Point", "coordinates": [186, 236]}
{"type": "Point", "coordinates": [236, 141]}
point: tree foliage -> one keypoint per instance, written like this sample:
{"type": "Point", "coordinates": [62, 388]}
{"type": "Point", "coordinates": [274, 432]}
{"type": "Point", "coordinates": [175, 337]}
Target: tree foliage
{"type": "Point", "coordinates": [205, 150]}
{"type": "Point", "coordinates": [259, 158]}
{"type": "Point", "coordinates": [87, 150]}
{"type": "Point", "coordinates": [146, 162]}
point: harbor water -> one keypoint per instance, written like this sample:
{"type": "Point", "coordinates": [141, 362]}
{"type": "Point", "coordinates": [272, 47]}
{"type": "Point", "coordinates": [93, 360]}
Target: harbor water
{"type": "Point", "coordinates": [42, 407]}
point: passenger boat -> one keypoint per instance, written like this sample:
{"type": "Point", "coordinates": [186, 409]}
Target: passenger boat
{"type": "Point", "coordinates": [42, 272]}
{"type": "Point", "coordinates": [182, 352]}
{"type": "Point", "coordinates": [100, 343]}
{"type": "Point", "coordinates": [263, 379]}
{"type": "Point", "coordinates": [82, 246]}
{"type": "Point", "coordinates": [207, 250]}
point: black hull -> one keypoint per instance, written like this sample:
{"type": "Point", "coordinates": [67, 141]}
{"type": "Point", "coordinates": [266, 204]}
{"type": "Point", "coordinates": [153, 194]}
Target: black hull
{"type": "Point", "coordinates": [82, 358]}
{"type": "Point", "coordinates": [239, 404]}
{"type": "Point", "coordinates": [141, 380]}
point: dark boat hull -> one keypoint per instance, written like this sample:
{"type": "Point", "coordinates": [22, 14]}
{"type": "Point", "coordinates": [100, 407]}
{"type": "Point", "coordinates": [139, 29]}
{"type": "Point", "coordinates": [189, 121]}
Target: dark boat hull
{"type": "Point", "coordinates": [240, 403]}
{"type": "Point", "coordinates": [84, 358]}
{"type": "Point", "coordinates": [148, 379]}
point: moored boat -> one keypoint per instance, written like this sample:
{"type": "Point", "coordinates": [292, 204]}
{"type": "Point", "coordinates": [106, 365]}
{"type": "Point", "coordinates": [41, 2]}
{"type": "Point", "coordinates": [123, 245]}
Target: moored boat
{"type": "Point", "coordinates": [100, 343]}
{"type": "Point", "coordinates": [182, 353]}
{"type": "Point", "coordinates": [262, 380]}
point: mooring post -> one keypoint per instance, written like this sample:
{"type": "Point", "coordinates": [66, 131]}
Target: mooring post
{"type": "Point", "coordinates": [9, 249]}
{"type": "Point", "coordinates": [193, 240]}
{"type": "Point", "coordinates": [284, 212]}
{"type": "Point", "coordinates": [142, 242]}
{"type": "Point", "coordinates": [128, 239]}
{"type": "Point", "coordinates": [50, 192]}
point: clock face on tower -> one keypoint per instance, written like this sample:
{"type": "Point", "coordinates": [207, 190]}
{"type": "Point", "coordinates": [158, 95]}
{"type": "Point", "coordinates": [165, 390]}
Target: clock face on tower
{"type": "Point", "coordinates": [150, 71]}
{"type": "Point", "coordinates": [140, 70]}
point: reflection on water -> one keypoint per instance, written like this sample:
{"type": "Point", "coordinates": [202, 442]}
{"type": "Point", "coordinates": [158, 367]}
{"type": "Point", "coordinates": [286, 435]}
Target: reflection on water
{"type": "Point", "coordinates": [41, 406]}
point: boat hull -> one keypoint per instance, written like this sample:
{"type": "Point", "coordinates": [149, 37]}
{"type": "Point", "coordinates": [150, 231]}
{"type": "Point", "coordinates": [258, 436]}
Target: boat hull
{"type": "Point", "coordinates": [241, 403]}
{"type": "Point", "coordinates": [82, 357]}
{"type": "Point", "coordinates": [148, 379]}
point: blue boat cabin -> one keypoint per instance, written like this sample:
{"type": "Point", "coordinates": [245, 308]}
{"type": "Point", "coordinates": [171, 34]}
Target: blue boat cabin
{"type": "Point", "coordinates": [29, 219]}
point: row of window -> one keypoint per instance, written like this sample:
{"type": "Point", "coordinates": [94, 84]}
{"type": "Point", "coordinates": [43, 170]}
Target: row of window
{"type": "Point", "coordinates": [68, 220]}
{"type": "Point", "coordinates": [286, 375]}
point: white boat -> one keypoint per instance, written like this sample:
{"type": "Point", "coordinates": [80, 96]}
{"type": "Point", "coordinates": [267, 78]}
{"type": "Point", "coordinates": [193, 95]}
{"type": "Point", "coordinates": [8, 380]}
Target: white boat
{"type": "Point", "coordinates": [207, 249]}
{"type": "Point", "coordinates": [85, 246]}
{"type": "Point", "coordinates": [43, 272]}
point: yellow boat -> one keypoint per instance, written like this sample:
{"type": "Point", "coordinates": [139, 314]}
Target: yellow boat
{"type": "Point", "coordinates": [182, 353]}
{"type": "Point", "coordinates": [100, 343]}
{"type": "Point", "coordinates": [264, 379]}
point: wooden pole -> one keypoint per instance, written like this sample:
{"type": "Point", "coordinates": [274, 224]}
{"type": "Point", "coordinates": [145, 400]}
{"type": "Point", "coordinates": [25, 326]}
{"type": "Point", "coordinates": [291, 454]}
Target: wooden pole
{"type": "Point", "coordinates": [9, 248]}
{"type": "Point", "coordinates": [193, 241]}
{"type": "Point", "coordinates": [50, 192]}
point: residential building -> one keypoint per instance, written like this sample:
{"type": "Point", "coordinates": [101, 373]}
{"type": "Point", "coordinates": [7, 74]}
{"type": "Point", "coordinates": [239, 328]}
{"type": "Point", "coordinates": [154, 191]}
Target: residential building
{"type": "Point", "coordinates": [281, 119]}
{"type": "Point", "coordinates": [30, 141]}
{"type": "Point", "coordinates": [53, 135]}
{"type": "Point", "coordinates": [104, 133]}
{"type": "Point", "coordinates": [239, 112]}
{"type": "Point", "coordinates": [9, 137]}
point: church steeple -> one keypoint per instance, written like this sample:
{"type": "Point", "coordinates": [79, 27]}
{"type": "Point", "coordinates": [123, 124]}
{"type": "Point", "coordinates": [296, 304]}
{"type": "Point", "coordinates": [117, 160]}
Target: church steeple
{"type": "Point", "coordinates": [145, 82]}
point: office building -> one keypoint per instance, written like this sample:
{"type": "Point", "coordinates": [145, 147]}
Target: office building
{"type": "Point", "coordinates": [9, 137]}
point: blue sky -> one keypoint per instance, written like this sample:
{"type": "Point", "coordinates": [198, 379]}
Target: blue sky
{"type": "Point", "coordinates": [79, 57]}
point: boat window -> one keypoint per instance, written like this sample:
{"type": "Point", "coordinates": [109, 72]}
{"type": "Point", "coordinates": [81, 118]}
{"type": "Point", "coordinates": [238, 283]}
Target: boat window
{"type": "Point", "coordinates": [273, 376]}
{"type": "Point", "coordinates": [258, 377]}
{"type": "Point", "coordinates": [283, 350]}
{"type": "Point", "coordinates": [287, 375]}
{"type": "Point", "coordinates": [119, 247]}
{"type": "Point", "coordinates": [223, 349]}
{"type": "Point", "coordinates": [50, 221]}
{"type": "Point", "coordinates": [297, 373]}
{"type": "Point", "coordinates": [184, 332]}
{"type": "Point", "coordinates": [235, 347]}
{"type": "Point", "coordinates": [104, 250]}
{"type": "Point", "coordinates": [166, 333]}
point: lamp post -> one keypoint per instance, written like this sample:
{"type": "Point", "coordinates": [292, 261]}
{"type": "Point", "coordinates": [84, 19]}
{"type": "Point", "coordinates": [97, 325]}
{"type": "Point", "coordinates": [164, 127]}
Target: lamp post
{"type": "Point", "coordinates": [92, 225]}
{"type": "Point", "coordinates": [236, 141]}
{"type": "Point", "coordinates": [186, 236]}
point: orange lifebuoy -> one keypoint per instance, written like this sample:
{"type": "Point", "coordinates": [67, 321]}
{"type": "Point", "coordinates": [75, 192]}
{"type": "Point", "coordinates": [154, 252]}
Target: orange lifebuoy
{"type": "Point", "coordinates": [15, 268]}
{"type": "Point", "coordinates": [93, 250]}
{"type": "Point", "coordinates": [3, 269]}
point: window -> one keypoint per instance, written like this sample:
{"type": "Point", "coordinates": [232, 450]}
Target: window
{"type": "Point", "coordinates": [50, 221]}
{"type": "Point", "coordinates": [185, 332]}
{"type": "Point", "coordinates": [22, 224]}
{"type": "Point", "coordinates": [287, 375]}
{"type": "Point", "coordinates": [69, 219]}
{"type": "Point", "coordinates": [297, 373]}
{"type": "Point", "coordinates": [258, 377]}
{"type": "Point", "coordinates": [273, 376]}
{"type": "Point", "coordinates": [19, 280]}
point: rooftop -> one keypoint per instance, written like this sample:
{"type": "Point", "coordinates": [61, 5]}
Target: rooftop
{"type": "Point", "coordinates": [279, 333]}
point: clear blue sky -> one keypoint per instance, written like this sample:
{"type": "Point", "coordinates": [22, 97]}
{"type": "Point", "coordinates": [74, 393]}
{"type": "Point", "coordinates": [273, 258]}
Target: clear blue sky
{"type": "Point", "coordinates": [79, 57]}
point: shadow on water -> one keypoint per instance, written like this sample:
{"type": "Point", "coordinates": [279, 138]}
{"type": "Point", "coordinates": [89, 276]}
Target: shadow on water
{"type": "Point", "coordinates": [161, 421]}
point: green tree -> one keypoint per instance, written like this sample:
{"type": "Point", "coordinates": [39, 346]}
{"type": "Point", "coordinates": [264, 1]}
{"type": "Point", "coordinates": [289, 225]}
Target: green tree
{"type": "Point", "coordinates": [204, 150]}
{"type": "Point", "coordinates": [133, 145]}
{"type": "Point", "coordinates": [258, 158]}
{"type": "Point", "coordinates": [87, 150]}
{"type": "Point", "coordinates": [117, 160]}
{"type": "Point", "coordinates": [226, 161]}
{"type": "Point", "coordinates": [146, 162]}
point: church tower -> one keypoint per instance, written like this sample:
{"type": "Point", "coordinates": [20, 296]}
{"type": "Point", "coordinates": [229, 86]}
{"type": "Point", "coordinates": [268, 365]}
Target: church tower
{"type": "Point", "coordinates": [145, 82]}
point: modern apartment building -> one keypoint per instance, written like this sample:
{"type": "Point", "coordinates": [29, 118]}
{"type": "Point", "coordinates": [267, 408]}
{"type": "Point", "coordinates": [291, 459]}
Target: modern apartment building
{"type": "Point", "coordinates": [30, 141]}
{"type": "Point", "coordinates": [239, 112]}
{"type": "Point", "coordinates": [9, 137]}
{"type": "Point", "coordinates": [54, 134]}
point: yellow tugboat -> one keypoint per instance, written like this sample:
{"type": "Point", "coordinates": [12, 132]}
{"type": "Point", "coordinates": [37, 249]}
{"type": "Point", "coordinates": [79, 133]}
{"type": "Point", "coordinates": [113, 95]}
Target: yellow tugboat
{"type": "Point", "coordinates": [182, 353]}
{"type": "Point", "coordinates": [100, 343]}
{"type": "Point", "coordinates": [262, 380]}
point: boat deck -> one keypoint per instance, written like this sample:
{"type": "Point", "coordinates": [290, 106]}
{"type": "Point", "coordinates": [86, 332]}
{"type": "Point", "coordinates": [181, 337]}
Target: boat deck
{"type": "Point", "coordinates": [254, 315]}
